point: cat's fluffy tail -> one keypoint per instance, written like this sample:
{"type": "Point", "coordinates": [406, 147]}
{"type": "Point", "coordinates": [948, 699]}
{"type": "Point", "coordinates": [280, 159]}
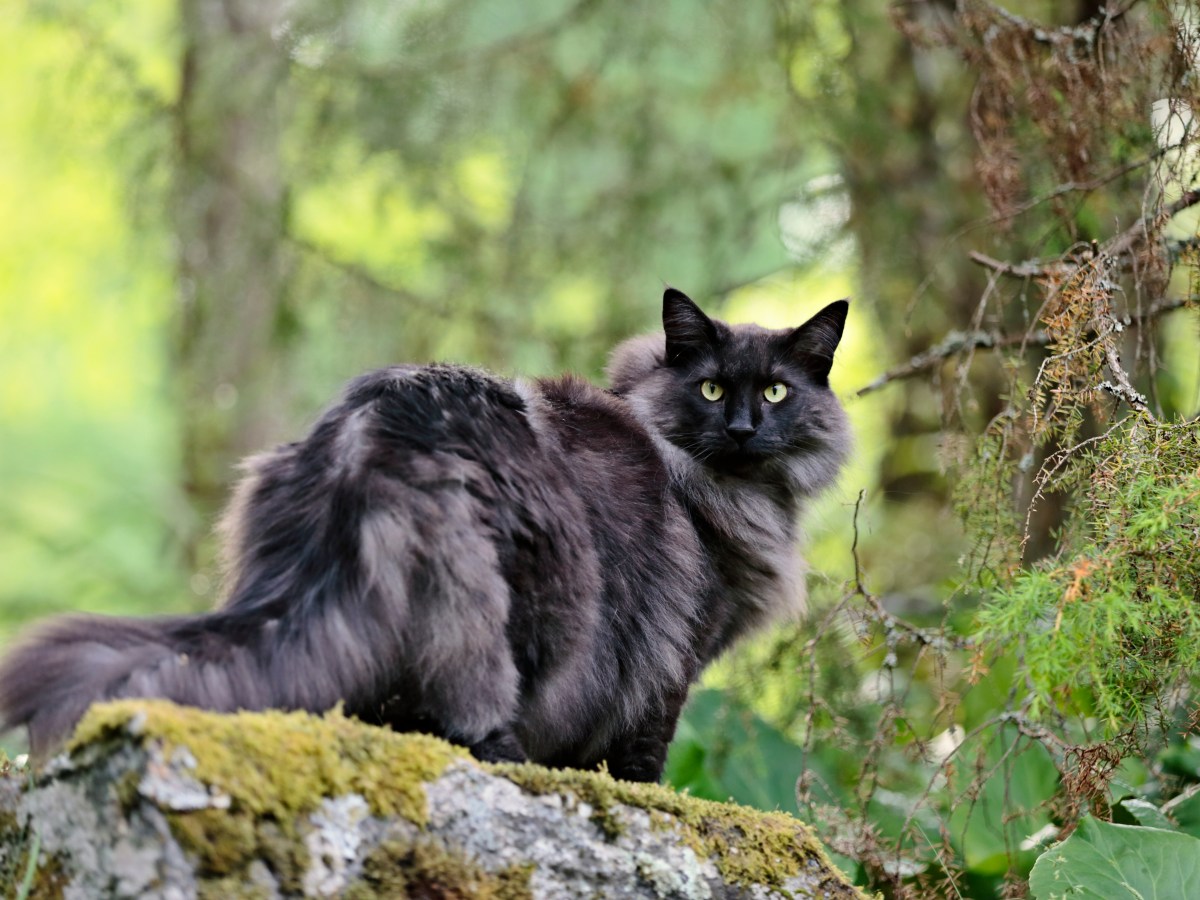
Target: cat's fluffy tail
{"type": "Point", "coordinates": [50, 679]}
{"type": "Point", "coordinates": [227, 660]}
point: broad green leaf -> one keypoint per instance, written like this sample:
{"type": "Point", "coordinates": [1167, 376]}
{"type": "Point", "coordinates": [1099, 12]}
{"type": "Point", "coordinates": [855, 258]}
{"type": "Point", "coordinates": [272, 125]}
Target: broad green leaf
{"type": "Point", "coordinates": [1187, 814]}
{"type": "Point", "coordinates": [723, 750]}
{"type": "Point", "coordinates": [1115, 862]}
{"type": "Point", "coordinates": [1143, 812]}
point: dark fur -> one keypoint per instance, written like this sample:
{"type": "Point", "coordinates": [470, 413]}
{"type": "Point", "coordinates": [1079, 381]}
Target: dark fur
{"type": "Point", "coordinates": [536, 570]}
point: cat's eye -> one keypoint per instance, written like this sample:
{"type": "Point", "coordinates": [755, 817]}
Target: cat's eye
{"type": "Point", "coordinates": [775, 392]}
{"type": "Point", "coordinates": [711, 390]}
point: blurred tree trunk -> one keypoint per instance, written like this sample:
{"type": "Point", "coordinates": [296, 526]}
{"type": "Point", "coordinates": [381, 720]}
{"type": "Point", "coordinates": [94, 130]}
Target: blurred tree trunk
{"type": "Point", "coordinates": [228, 212]}
{"type": "Point", "coordinates": [910, 165]}
{"type": "Point", "coordinates": [914, 175]}
{"type": "Point", "coordinates": [907, 160]}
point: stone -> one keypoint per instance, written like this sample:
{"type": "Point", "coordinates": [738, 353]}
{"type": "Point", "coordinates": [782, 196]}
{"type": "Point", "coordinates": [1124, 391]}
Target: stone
{"type": "Point", "coordinates": [151, 800]}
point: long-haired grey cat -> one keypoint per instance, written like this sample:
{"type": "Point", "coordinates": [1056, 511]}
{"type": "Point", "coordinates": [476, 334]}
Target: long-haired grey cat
{"type": "Point", "coordinates": [534, 569]}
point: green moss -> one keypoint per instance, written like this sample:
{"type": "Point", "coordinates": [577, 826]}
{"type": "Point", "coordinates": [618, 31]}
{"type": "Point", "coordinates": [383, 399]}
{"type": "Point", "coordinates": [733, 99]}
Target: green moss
{"type": "Point", "coordinates": [275, 767]}
{"type": "Point", "coordinates": [284, 853]}
{"type": "Point", "coordinates": [748, 846]}
{"type": "Point", "coordinates": [231, 888]}
{"type": "Point", "coordinates": [426, 869]}
{"type": "Point", "coordinates": [10, 825]}
{"type": "Point", "coordinates": [222, 841]}
{"type": "Point", "coordinates": [126, 790]}
{"type": "Point", "coordinates": [49, 879]}
{"type": "Point", "coordinates": [281, 764]}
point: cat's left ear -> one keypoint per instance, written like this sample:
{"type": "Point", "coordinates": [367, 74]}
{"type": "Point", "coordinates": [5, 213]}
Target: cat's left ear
{"type": "Point", "coordinates": [814, 342]}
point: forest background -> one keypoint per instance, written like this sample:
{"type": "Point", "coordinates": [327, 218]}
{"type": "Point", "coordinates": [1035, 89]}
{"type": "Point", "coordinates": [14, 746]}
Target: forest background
{"type": "Point", "coordinates": [217, 212]}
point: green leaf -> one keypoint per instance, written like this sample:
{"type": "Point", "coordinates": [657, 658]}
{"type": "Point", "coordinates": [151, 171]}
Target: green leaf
{"type": "Point", "coordinates": [1143, 812]}
{"type": "Point", "coordinates": [722, 751]}
{"type": "Point", "coordinates": [1187, 814]}
{"type": "Point", "coordinates": [1114, 862]}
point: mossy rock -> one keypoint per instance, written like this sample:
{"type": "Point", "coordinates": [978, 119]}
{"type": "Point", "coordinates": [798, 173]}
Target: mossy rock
{"type": "Point", "coordinates": [281, 764]}
{"type": "Point", "coordinates": [156, 800]}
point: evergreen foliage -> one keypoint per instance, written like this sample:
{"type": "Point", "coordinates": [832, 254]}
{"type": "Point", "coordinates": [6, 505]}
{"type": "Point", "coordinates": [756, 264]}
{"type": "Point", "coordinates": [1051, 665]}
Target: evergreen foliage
{"type": "Point", "coordinates": [224, 209]}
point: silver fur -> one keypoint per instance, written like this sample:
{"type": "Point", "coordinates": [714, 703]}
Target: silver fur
{"type": "Point", "coordinates": [536, 569]}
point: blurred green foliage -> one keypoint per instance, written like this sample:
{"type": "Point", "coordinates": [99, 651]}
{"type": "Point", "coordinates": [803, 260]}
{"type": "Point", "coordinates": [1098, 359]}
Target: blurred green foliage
{"type": "Point", "coordinates": [88, 470]}
{"type": "Point", "coordinates": [511, 185]}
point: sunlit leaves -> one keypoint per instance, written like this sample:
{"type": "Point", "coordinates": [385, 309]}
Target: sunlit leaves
{"type": "Point", "coordinates": [1118, 862]}
{"type": "Point", "coordinates": [87, 461]}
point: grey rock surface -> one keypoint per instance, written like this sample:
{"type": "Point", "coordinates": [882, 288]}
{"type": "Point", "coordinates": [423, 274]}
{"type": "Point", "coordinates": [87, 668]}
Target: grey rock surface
{"type": "Point", "coordinates": [132, 816]}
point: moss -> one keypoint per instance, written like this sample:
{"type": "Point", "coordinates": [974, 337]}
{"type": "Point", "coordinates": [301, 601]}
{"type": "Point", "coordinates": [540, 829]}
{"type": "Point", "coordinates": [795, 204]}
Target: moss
{"type": "Point", "coordinates": [221, 841]}
{"type": "Point", "coordinates": [748, 846]}
{"type": "Point", "coordinates": [280, 765]}
{"type": "Point", "coordinates": [126, 790]}
{"type": "Point", "coordinates": [10, 825]}
{"type": "Point", "coordinates": [284, 853]}
{"type": "Point", "coordinates": [231, 888]}
{"type": "Point", "coordinates": [275, 767]}
{"type": "Point", "coordinates": [49, 878]}
{"type": "Point", "coordinates": [426, 869]}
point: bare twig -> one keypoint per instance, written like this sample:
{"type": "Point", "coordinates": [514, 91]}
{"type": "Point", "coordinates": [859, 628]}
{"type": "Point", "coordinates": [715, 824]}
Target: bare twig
{"type": "Point", "coordinates": [895, 627]}
{"type": "Point", "coordinates": [1123, 242]}
{"type": "Point", "coordinates": [1107, 333]}
{"type": "Point", "coordinates": [953, 344]}
{"type": "Point", "coordinates": [1028, 269]}
{"type": "Point", "coordinates": [1053, 463]}
{"type": "Point", "coordinates": [959, 342]}
{"type": "Point", "coordinates": [1085, 32]}
{"type": "Point", "coordinates": [1123, 391]}
{"type": "Point", "coordinates": [1116, 247]}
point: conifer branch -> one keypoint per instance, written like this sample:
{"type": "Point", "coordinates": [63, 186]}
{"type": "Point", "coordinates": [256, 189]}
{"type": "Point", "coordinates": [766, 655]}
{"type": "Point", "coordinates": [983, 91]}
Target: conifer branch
{"type": "Point", "coordinates": [958, 342]}
{"type": "Point", "coordinates": [1117, 246]}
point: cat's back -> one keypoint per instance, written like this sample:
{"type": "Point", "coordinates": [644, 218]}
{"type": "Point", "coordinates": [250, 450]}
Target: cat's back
{"type": "Point", "coordinates": [440, 409]}
{"type": "Point", "coordinates": [566, 424]}
{"type": "Point", "coordinates": [611, 457]}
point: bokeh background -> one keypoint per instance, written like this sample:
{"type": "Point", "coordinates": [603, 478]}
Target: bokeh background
{"type": "Point", "coordinates": [214, 213]}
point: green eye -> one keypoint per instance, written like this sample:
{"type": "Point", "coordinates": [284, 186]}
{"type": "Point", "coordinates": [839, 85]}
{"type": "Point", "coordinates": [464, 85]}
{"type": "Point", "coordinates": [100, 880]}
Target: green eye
{"type": "Point", "coordinates": [775, 392]}
{"type": "Point", "coordinates": [711, 390]}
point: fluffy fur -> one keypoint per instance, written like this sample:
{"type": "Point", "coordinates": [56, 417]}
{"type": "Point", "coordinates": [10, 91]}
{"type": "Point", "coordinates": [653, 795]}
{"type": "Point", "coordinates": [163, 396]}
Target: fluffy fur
{"type": "Point", "coordinates": [537, 570]}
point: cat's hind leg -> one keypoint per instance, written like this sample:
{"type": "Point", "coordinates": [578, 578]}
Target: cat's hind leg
{"type": "Point", "coordinates": [641, 753]}
{"type": "Point", "coordinates": [458, 673]}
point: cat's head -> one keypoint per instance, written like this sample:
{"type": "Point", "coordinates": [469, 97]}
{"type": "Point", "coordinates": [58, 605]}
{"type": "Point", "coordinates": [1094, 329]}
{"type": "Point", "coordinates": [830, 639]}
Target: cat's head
{"type": "Point", "coordinates": [740, 399]}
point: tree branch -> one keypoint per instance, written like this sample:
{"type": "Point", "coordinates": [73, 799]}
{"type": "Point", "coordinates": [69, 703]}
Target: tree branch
{"type": "Point", "coordinates": [958, 342]}
{"type": "Point", "coordinates": [1029, 269]}
{"type": "Point", "coordinates": [1115, 247]}
{"type": "Point", "coordinates": [1126, 239]}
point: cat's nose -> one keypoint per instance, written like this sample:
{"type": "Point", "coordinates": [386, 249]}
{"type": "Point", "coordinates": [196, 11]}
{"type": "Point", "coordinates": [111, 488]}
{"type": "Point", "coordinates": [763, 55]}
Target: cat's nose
{"type": "Point", "coordinates": [741, 433]}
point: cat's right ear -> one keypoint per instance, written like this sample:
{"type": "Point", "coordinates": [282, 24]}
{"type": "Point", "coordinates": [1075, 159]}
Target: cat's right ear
{"type": "Point", "coordinates": [689, 331]}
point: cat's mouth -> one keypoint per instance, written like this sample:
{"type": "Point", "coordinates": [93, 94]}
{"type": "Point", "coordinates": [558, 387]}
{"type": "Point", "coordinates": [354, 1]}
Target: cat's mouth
{"type": "Point", "coordinates": [729, 455]}
{"type": "Point", "coordinates": [739, 459]}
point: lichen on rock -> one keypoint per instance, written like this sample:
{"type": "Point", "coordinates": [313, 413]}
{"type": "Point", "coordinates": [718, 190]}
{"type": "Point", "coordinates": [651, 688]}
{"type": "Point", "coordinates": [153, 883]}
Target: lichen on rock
{"type": "Point", "coordinates": [281, 764]}
{"type": "Point", "coordinates": [155, 800]}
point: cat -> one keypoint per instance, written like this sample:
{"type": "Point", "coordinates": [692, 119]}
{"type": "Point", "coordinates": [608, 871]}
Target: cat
{"type": "Point", "coordinates": [537, 570]}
